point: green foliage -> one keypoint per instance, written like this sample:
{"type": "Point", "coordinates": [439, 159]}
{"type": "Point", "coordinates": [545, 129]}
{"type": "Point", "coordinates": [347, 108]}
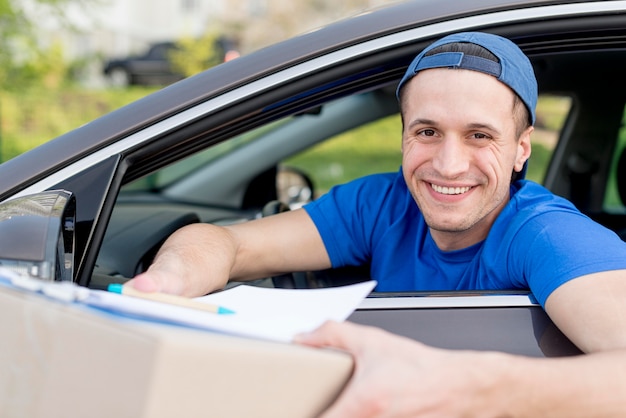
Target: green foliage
{"type": "Point", "coordinates": [15, 33]}
{"type": "Point", "coordinates": [47, 68]}
{"type": "Point", "coordinates": [24, 62]}
{"type": "Point", "coordinates": [32, 117]}
{"type": "Point", "coordinates": [195, 54]}
{"type": "Point", "coordinates": [551, 111]}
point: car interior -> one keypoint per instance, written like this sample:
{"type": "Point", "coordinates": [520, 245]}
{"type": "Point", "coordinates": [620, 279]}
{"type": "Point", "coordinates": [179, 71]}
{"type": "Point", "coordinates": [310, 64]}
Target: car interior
{"type": "Point", "coordinates": [243, 172]}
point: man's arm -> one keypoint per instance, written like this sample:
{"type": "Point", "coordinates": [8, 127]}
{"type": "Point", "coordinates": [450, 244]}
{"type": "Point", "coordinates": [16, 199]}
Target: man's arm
{"type": "Point", "coordinates": [397, 377]}
{"type": "Point", "coordinates": [201, 258]}
{"type": "Point", "coordinates": [591, 310]}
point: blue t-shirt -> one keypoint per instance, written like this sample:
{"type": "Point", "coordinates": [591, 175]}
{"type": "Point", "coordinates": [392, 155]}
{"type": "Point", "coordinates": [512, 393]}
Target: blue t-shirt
{"type": "Point", "coordinates": [538, 242]}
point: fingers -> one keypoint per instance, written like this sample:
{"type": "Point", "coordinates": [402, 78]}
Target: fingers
{"type": "Point", "coordinates": [386, 369]}
{"type": "Point", "coordinates": [144, 283]}
{"type": "Point", "coordinates": [155, 280]}
{"type": "Point", "coordinates": [356, 400]}
{"type": "Point", "coordinates": [327, 335]}
{"type": "Point", "coordinates": [344, 336]}
{"type": "Point", "coordinates": [323, 336]}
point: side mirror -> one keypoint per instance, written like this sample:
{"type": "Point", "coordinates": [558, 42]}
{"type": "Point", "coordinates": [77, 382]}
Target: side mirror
{"type": "Point", "coordinates": [37, 235]}
{"type": "Point", "coordinates": [294, 187]}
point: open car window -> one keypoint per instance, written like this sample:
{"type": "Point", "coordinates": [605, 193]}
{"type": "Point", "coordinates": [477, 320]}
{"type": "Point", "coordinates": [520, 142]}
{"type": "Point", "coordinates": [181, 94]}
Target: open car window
{"type": "Point", "coordinates": [615, 196]}
{"type": "Point", "coordinates": [287, 160]}
{"type": "Point", "coordinates": [373, 147]}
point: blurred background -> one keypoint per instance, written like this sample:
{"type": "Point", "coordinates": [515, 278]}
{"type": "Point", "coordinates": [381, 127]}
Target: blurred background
{"type": "Point", "coordinates": [66, 62]}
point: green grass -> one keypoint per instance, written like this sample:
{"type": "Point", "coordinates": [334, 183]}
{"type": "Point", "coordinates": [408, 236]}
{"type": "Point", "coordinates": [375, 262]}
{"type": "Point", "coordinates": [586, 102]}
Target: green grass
{"type": "Point", "coordinates": [372, 148]}
{"type": "Point", "coordinates": [30, 118]}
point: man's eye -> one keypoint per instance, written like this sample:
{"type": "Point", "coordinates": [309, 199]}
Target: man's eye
{"type": "Point", "coordinates": [427, 132]}
{"type": "Point", "coordinates": [479, 135]}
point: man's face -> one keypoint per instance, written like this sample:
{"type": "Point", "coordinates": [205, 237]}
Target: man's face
{"type": "Point", "coordinates": [459, 150]}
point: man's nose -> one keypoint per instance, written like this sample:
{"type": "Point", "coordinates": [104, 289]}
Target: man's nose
{"type": "Point", "coordinates": [451, 158]}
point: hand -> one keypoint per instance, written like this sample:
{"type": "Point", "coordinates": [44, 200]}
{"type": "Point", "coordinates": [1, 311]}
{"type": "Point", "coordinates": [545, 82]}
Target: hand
{"type": "Point", "coordinates": [155, 282]}
{"type": "Point", "coordinates": [193, 261]}
{"type": "Point", "coordinates": [398, 377]}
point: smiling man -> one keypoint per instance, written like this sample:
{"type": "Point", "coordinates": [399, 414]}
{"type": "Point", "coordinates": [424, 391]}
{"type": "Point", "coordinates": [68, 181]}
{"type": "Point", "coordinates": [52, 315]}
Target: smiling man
{"type": "Point", "coordinates": [460, 146]}
{"type": "Point", "coordinates": [458, 215]}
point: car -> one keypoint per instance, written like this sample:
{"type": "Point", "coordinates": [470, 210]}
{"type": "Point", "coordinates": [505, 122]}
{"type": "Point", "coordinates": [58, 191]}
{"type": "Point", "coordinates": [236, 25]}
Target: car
{"type": "Point", "coordinates": [222, 147]}
{"type": "Point", "coordinates": [154, 66]}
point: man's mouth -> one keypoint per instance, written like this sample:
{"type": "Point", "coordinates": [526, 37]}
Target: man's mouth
{"type": "Point", "coordinates": [450, 190]}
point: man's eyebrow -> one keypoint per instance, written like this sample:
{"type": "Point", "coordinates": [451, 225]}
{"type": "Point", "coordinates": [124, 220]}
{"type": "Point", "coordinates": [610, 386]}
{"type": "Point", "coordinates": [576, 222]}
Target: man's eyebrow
{"type": "Point", "coordinates": [416, 122]}
{"type": "Point", "coordinates": [481, 126]}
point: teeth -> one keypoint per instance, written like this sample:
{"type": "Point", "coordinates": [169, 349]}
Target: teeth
{"type": "Point", "coordinates": [449, 190]}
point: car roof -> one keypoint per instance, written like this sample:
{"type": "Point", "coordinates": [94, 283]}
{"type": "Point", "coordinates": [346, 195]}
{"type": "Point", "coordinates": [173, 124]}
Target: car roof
{"type": "Point", "coordinates": [191, 91]}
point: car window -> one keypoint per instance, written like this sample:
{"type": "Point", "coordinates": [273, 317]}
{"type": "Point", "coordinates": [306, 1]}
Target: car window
{"type": "Point", "coordinates": [551, 111]}
{"type": "Point", "coordinates": [375, 148]}
{"type": "Point", "coordinates": [615, 193]}
{"type": "Point", "coordinates": [368, 149]}
{"type": "Point", "coordinates": [160, 52]}
{"type": "Point", "coordinates": [172, 173]}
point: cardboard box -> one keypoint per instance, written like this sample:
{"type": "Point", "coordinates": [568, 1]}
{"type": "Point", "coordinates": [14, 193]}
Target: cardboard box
{"type": "Point", "coordinates": [65, 360]}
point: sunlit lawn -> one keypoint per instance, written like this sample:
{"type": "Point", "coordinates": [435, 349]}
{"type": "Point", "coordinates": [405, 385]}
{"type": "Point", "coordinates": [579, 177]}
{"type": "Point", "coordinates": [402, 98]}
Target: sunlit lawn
{"type": "Point", "coordinates": [30, 118]}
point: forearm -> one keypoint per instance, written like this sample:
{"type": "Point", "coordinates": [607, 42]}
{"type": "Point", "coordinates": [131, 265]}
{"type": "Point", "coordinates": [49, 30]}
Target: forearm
{"type": "Point", "coordinates": [397, 377]}
{"type": "Point", "coordinates": [201, 258]}
{"type": "Point", "coordinates": [277, 244]}
{"type": "Point", "coordinates": [591, 385]}
{"type": "Point", "coordinates": [198, 257]}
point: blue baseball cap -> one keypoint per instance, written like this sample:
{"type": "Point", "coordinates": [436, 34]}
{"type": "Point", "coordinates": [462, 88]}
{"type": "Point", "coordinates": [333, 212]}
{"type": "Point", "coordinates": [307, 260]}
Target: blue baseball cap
{"type": "Point", "coordinates": [513, 69]}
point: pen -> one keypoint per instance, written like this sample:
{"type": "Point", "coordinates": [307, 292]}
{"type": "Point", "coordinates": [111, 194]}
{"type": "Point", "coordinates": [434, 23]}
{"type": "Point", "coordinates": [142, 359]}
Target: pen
{"type": "Point", "coordinates": [166, 298]}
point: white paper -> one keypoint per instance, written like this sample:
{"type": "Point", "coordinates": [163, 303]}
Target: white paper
{"type": "Point", "coordinates": [263, 313]}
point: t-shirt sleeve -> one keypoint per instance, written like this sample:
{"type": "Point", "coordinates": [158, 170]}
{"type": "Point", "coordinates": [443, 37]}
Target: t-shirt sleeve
{"type": "Point", "coordinates": [557, 246]}
{"type": "Point", "coordinates": [347, 215]}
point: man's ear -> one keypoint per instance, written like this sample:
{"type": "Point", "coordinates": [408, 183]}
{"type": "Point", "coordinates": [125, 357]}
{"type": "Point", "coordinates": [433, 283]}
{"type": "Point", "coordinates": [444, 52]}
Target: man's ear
{"type": "Point", "coordinates": [523, 149]}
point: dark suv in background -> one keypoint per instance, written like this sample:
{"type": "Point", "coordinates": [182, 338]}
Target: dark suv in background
{"type": "Point", "coordinates": [153, 67]}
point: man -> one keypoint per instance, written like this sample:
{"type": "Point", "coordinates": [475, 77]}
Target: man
{"type": "Point", "coordinates": [455, 217]}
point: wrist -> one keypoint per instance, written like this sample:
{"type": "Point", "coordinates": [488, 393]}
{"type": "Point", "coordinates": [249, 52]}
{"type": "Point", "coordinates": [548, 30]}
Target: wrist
{"type": "Point", "coordinates": [497, 375]}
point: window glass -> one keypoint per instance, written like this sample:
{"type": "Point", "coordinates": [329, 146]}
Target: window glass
{"type": "Point", "coordinates": [551, 113]}
{"type": "Point", "coordinates": [613, 202]}
{"type": "Point", "coordinates": [169, 175]}
{"type": "Point", "coordinates": [368, 149]}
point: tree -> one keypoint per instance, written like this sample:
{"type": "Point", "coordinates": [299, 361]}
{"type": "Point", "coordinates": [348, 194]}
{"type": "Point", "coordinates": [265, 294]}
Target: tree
{"type": "Point", "coordinates": [194, 55]}
{"type": "Point", "coordinates": [23, 61]}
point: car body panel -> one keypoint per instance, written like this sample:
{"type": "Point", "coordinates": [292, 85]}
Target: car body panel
{"type": "Point", "coordinates": [511, 323]}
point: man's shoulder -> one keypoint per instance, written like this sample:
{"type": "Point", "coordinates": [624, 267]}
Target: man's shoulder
{"type": "Point", "coordinates": [373, 185]}
{"type": "Point", "coordinates": [370, 190]}
{"type": "Point", "coordinates": [389, 178]}
{"type": "Point", "coordinates": [529, 188]}
{"type": "Point", "coordinates": [528, 195]}
{"type": "Point", "coordinates": [533, 208]}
